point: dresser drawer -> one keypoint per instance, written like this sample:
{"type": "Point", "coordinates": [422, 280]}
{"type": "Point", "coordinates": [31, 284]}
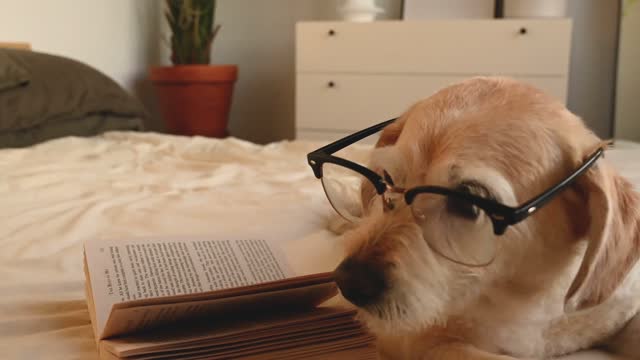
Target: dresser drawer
{"type": "Point", "coordinates": [436, 47]}
{"type": "Point", "coordinates": [345, 102]}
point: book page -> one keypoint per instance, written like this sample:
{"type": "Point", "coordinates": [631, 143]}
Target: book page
{"type": "Point", "coordinates": [145, 268]}
{"type": "Point", "coordinates": [126, 320]}
{"type": "Point", "coordinates": [291, 339]}
{"type": "Point", "coordinates": [231, 330]}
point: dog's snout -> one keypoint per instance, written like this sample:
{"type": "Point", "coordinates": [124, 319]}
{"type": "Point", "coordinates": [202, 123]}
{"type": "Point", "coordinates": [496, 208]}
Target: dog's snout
{"type": "Point", "coordinates": [360, 282]}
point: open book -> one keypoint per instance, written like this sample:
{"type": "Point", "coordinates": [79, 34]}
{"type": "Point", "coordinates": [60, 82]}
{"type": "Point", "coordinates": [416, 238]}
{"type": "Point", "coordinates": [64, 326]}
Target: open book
{"type": "Point", "coordinates": [200, 298]}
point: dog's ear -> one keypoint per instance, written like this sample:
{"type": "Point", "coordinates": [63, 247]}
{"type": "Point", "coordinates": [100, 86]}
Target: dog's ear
{"type": "Point", "coordinates": [391, 132]}
{"type": "Point", "coordinates": [611, 227]}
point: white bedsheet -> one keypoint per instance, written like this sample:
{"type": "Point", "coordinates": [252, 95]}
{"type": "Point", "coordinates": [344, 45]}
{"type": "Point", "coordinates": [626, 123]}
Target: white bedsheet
{"type": "Point", "coordinates": [55, 195]}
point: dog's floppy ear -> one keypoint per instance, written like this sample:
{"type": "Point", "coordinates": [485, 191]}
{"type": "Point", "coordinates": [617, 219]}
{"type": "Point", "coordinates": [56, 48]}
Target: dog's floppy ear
{"type": "Point", "coordinates": [391, 132]}
{"type": "Point", "coordinates": [611, 227]}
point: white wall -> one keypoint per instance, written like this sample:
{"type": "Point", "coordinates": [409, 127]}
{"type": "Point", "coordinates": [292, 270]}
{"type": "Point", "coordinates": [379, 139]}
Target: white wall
{"type": "Point", "coordinates": [628, 92]}
{"type": "Point", "coordinates": [593, 62]}
{"type": "Point", "coordinates": [110, 35]}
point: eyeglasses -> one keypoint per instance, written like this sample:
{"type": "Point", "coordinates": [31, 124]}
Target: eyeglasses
{"type": "Point", "coordinates": [467, 234]}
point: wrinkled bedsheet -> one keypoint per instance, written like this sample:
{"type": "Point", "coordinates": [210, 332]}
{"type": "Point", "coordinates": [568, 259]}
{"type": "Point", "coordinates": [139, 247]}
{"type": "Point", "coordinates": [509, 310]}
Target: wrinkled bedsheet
{"type": "Point", "coordinates": [55, 195]}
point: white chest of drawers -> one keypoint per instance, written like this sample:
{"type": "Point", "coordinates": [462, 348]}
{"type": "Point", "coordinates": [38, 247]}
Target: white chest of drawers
{"type": "Point", "coordinates": [352, 75]}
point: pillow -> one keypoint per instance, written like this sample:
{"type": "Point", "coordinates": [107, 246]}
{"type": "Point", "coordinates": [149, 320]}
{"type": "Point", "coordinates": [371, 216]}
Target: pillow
{"type": "Point", "coordinates": [86, 126]}
{"type": "Point", "coordinates": [11, 73]}
{"type": "Point", "coordinates": [61, 97]}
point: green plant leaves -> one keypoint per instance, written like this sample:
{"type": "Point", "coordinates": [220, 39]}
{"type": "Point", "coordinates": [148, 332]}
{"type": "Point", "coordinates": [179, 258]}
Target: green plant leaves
{"type": "Point", "coordinates": [192, 30]}
{"type": "Point", "coordinates": [626, 5]}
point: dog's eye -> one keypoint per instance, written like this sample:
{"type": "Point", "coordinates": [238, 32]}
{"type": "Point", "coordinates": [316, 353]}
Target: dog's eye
{"type": "Point", "coordinates": [461, 207]}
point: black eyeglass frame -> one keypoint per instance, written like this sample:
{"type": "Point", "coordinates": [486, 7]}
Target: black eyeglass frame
{"type": "Point", "coordinates": [502, 216]}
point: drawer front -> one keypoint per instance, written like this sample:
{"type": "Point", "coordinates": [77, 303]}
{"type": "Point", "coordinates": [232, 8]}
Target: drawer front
{"type": "Point", "coordinates": [436, 47]}
{"type": "Point", "coordinates": [341, 102]}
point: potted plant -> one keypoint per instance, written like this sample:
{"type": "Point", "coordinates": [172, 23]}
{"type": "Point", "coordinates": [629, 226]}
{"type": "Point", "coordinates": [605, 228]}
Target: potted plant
{"type": "Point", "coordinates": [194, 96]}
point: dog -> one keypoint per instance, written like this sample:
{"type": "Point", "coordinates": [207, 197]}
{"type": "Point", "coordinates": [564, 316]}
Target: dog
{"type": "Point", "coordinates": [565, 279]}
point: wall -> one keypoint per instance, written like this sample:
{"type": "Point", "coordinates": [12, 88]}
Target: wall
{"type": "Point", "coordinates": [118, 37]}
{"type": "Point", "coordinates": [258, 36]}
{"type": "Point", "coordinates": [109, 35]}
{"type": "Point", "coordinates": [593, 62]}
{"type": "Point", "coordinates": [628, 92]}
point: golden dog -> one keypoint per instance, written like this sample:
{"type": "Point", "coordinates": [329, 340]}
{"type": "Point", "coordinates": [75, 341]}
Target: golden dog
{"type": "Point", "coordinates": [564, 279]}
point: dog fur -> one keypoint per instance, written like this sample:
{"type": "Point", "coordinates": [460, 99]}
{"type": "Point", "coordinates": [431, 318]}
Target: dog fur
{"type": "Point", "coordinates": [565, 279]}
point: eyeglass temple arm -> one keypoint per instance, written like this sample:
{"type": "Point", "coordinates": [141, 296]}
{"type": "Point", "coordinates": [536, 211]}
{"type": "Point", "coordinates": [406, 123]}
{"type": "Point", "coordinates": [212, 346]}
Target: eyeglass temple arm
{"type": "Point", "coordinates": [507, 216]}
{"type": "Point", "coordinates": [344, 142]}
{"type": "Point", "coordinates": [539, 201]}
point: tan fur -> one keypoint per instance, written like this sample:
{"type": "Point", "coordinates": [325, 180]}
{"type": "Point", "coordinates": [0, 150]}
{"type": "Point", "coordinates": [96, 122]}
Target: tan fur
{"type": "Point", "coordinates": [614, 235]}
{"type": "Point", "coordinates": [545, 294]}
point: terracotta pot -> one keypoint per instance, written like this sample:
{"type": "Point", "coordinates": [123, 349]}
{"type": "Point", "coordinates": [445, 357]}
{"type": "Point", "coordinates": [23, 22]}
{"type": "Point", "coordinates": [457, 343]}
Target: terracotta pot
{"type": "Point", "coordinates": [195, 99]}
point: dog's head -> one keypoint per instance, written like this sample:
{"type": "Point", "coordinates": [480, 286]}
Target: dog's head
{"type": "Point", "coordinates": [508, 141]}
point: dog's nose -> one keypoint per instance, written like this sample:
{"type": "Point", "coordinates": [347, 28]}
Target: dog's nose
{"type": "Point", "coordinates": [360, 282]}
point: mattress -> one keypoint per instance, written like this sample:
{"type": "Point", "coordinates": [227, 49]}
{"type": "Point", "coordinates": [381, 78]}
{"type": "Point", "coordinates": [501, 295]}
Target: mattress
{"type": "Point", "coordinates": [121, 184]}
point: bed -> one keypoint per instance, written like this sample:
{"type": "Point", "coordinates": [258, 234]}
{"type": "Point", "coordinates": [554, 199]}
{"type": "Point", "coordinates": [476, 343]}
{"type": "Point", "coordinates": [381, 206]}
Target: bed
{"type": "Point", "coordinates": [57, 191]}
{"type": "Point", "coordinates": [120, 184]}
